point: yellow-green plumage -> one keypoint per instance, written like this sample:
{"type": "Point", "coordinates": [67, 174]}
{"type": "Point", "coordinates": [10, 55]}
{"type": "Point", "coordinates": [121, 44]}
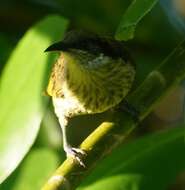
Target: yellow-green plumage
{"type": "Point", "coordinates": [97, 86]}
{"type": "Point", "coordinates": [90, 76]}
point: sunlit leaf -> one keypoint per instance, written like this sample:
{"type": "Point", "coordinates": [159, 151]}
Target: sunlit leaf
{"type": "Point", "coordinates": [21, 92]}
{"type": "Point", "coordinates": [33, 171]}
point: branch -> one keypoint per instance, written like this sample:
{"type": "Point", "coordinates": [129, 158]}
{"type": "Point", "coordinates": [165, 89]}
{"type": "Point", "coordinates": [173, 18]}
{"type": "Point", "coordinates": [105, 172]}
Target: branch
{"type": "Point", "coordinates": [112, 132]}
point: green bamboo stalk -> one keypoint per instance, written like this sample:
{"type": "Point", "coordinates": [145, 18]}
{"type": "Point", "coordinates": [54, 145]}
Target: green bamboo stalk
{"type": "Point", "coordinates": [113, 131]}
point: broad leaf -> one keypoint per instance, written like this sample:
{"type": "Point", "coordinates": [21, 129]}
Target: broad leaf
{"type": "Point", "coordinates": [21, 91]}
{"type": "Point", "coordinates": [33, 171]}
{"type": "Point", "coordinates": [135, 12]}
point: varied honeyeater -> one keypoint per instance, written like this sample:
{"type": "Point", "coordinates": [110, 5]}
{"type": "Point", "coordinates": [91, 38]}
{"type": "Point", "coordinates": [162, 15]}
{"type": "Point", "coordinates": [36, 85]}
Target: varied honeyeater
{"type": "Point", "coordinates": [91, 75]}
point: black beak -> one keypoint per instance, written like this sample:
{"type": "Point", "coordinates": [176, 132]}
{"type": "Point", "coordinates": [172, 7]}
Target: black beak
{"type": "Point", "coordinates": [59, 46]}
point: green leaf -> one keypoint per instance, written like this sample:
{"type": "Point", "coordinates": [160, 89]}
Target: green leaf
{"type": "Point", "coordinates": [151, 162]}
{"type": "Point", "coordinates": [33, 171]}
{"type": "Point", "coordinates": [135, 12]}
{"type": "Point", "coordinates": [21, 91]}
{"type": "Point", "coordinates": [117, 182]}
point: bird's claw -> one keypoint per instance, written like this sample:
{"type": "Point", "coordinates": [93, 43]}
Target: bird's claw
{"type": "Point", "coordinates": [76, 153]}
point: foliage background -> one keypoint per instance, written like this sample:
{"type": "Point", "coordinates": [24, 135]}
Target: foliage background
{"type": "Point", "coordinates": [144, 160]}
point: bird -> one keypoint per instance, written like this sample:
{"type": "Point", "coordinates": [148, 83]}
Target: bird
{"type": "Point", "coordinates": [92, 74]}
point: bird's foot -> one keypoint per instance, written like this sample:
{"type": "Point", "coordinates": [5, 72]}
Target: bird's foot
{"type": "Point", "coordinates": [75, 153]}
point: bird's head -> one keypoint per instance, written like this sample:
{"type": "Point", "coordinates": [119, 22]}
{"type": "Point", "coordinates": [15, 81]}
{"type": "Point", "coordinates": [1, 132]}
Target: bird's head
{"type": "Point", "coordinates": [83, 47]}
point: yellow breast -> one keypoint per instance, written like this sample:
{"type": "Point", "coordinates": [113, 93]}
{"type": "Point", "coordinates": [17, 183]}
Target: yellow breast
{"type": "Point", "coordinates": [69, 105]}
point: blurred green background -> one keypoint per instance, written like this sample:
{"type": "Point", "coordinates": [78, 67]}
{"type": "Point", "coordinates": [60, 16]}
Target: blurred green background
{"type": "Point", "coordinates": [156, 36]}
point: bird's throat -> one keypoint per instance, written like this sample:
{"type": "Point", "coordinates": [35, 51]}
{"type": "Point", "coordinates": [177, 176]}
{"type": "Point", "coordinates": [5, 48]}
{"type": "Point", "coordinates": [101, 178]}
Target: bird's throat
{"type": "Point", "coordinates": [68, 70]}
